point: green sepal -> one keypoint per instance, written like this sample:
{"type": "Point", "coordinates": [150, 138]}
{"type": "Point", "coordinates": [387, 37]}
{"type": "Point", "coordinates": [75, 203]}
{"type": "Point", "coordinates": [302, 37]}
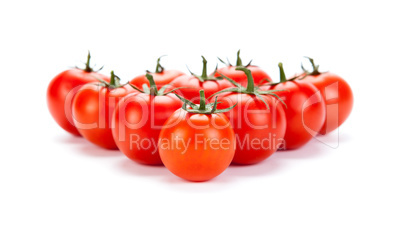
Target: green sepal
{"type": "Point", "coordinates": [315, 71]}
{"type": "Point", "coordinates": [146, 89]}
{"type": "Point", "coordinates": [88, 67]}
{"type": "Point", "coordinates": [227, 64]}
{"type": "Point", "coordinates": [251, 88]}
{"type": "Point", "coordinates": [114, 81]}
{"type": "Point", "coordinates": [171, 91]}
{"type": "Point", "coordinates": [283, 76]}
{"type": "Point", "coordinates": [239, 62]}
{"type": "Point", "coordinates": [230, 80]}
{"type": "Point", "coordinates": [262, 99]}
{"type": "Point", "coordinates": [204, 76]}
{"type": "Point", "coordinates": [136, 88]}
{"type": "Point", "coordinates": [234, 90]}
{"type": "Point", "coordinates": [203, 108]}
{"type": "Point", "coordinates": [272, 93]}
{"type": "Point", "coordinates": [159, 68]}
{"type": "Point", "coordinates": [153, 89]}
{"type": "Point", "coordinates": [185, 101]}
{"type": "Point", "coordinates": [163, 88]}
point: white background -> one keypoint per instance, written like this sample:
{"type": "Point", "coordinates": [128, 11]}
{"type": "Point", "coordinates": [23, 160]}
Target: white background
{"type": "Point", "coordinates": [51, 180]}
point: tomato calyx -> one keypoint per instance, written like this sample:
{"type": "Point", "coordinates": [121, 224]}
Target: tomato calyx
{"type": "Point", "coordinates": [114, 81]}
{"type": "Point", "coordinates": [159, 68]}
{"type": "Point", "coordinates": [88, 67]}
{"type": "Point", "coordinates": [283, 76]}
{"type": "Point", "coordinates": [251, 88]}
{"type": "Point", "coordinates": [315, 71]}
{"type": "Point", "coordinates": [152, 89]}
{"type": "Point", "coordinates": [202, 108]}
{"type": "Point", "coordinates": [315, 68]}
{"type": "Point", "coordinates": [204, 76]}
{"type": "Point", "coordinates": [239, 62]}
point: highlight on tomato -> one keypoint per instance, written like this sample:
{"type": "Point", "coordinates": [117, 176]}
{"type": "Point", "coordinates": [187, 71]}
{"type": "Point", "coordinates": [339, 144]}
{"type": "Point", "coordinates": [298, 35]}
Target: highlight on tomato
{"type": "Point", "coordinates": [161, 76]}
{"type": "Point", "coordinates": [337, 95]}
{"type": "Point", "coordinates": [197, 142]}
{"type": "Point", "coordinates": [93, 106]}
{"type": "Point", "coordinates": [138, 120]}
{"type": "Point", "coordinates": [191, 84]}
{"type": "Point", "coordinates": [240, 77]}
{"type": "Point", "coordinates": [305, 112]}
{"type": "Point", "coordinates": [258, 120]}
{"type": "Point", "coordinates": [61, 92]}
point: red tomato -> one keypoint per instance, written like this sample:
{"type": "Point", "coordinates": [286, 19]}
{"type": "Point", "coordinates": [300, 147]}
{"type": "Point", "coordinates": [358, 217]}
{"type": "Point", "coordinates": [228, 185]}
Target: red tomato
{"type": "Point", "coordinates": [93, 106]}
{"type": "Point", "coordinates": [61, 91]}
{"type": "Point", "coordinates": [197, 146]}
{"type": "Point", "coordinates": [240, 77]}
{"type": "Point", "coordinates": [161, 77]}
{"type": "Point", "coordinates": [305, 112]}
{"type": "Point", "coordinates": [258, 121]}
{"type": "Point", "coordinates": [191, 85]}
{"type": "Point", "coordinates": [337, 94]}
{"type": "Point", "coordinates": [138, 120]}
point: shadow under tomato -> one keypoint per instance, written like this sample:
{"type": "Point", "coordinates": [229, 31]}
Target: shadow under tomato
{"type": "Point", "coordinates": [217, 184]}
{"type": "Point", "coordinates": [216, 180]}
{"type": "Point", "coordinates": [316, 147]}
{"type": "Point", "coordinates": [266, 167]}
{"type": "Point", "coordinates": [278, 161]}
{"type": "Point", "coordinates": [334, 139]}
{"type": "Point", "coordinates": [70, 139]}
{"type": "Point", "coordinates": [162, 174]}
{"type": "Point", "coordinates": [92, 150]}
{"type": "Point", "coordinates": [310, 150]}
{"type": "Point", "coordinates": [86, 148]}
{"type": "Point", "coordinates": [133, 168]}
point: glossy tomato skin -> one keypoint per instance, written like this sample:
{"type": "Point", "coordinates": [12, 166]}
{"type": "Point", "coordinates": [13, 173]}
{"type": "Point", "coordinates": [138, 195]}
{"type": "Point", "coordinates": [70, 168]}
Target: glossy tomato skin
{"type": "Point", "coordinates": [240, 77]}
{"type": "Point", "coordinates": [338, 97]}
{"type": "Point", "coordinates": [197, 147]}
{"type": "Point", "coordinates": [192, 86]}
{"type": "Point", "coordinates": [138, 120]}
{"type": "Point", "coordinates": [305, 112]}
{"type": "Point", "coordinates": [259, 131]}
{"type": "Point", "coordinates": [61, 92]}
{"type": "Point", "coordinates": [161, 79]}
{"type": "Point", "coordinates": [93, 107]}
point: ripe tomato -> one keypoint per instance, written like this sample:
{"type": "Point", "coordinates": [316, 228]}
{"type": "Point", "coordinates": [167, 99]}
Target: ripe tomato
{"type": "Point", "coordinates": [138, 120]}
{"type": "Point", "coordinates": [197, 144]}
{"type": "Point", "coordinates": [230, 71]}
{"type": "Point", "coordinates": [305, 112]}
{"type": "Point", "coordinates": [191, 85]}
{"type": "Point", "coordinates": [337, 94]}
{"type": "Point", "coordinates": [161, 76]}
{"type": "Point", "coordinates": [61, 91]}
{"type": "Point", "coordinates": [258, 121]}
{"type": "Point", "coordinates": [93, 106]}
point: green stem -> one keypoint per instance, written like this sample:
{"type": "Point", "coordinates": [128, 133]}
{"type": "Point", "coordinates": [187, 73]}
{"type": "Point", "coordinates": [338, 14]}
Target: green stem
{"type": "Point", "coordinates": [239, 62]}
{"type": "Point", "coordinates": [312, 62]}
{"type": "Point", "coordinates": [159, 67]}
{"type": "Point", "coordinates": [153, 90]}
{"type": "Point", "coordinates": [87, 65]}
{"type": "Point", "coordinates": [202, 100]}
{"type": "Point", "coordinates": [112, 78]}
{"type": "Point", "coordinates": [203, 108]}
{"type": "Point", "coordinates": [250, 80]}
{"type": "Point", "coordinates": [315, 67]}
{"type": "Point", "coordinates": [204, 75]}
{"type": "Point", "coordinates": [282, 72]}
